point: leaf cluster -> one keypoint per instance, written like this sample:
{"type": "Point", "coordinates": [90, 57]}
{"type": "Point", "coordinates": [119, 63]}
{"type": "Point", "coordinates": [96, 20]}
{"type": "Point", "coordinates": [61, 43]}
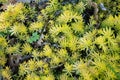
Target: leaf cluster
{"type": "Point", "coordinates": [57, 43]}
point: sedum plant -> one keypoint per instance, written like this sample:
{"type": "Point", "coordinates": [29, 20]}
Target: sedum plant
{"type": "Point", "coordinates": [56, 42]}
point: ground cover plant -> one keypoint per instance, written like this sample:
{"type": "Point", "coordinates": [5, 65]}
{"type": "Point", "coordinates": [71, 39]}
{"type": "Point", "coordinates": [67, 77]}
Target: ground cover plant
{"type": "Point", "coordinates": [60, 40]}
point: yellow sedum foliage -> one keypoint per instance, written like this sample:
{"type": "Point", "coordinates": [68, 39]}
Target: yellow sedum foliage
{"type": "Point", "coordinates": [3, 41]}
{"type": "Point", "coordinates": [36, 26]}
{"type": "Point", "coordinates": [13, 49]}
{"type": "Point", "coordinates": [32, 76]}
{"type": "Point", "coordinates": [57, 42]}
{"type": "Point", "coordinates": [26, 48]}
{"type": "Point", "coordinates": [3, 59]}
{"type": "Point", "coordinates": [18, 29]}
{"type": "Point", "coordinates": [47, 51]}
{"type": "Point", "coordinates": [6, 73]}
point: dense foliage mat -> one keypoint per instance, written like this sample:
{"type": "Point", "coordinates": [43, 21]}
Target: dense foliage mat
{"type": "Point", "coordinates": [60, 40]}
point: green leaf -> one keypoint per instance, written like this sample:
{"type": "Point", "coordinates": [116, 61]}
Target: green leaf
{"type": "Point", "coordinates": [36, 37]}
{"type": "Point", "coordinates": [33, 39]}
{"type": "Point", "coordinates": [34, 34]}
{"type": "Point", "coordinates": [29, 40]}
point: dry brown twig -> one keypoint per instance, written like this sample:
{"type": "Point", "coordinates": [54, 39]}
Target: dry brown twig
{"type": "Point", "coordinates": [95, 6]}
{"type": "Point", "coordinates": [4, 7]}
